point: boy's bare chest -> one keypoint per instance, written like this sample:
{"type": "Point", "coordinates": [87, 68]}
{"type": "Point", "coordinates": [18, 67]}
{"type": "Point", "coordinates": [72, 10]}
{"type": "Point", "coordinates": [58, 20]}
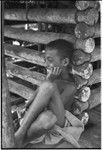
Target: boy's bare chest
{"type": "Point", "coordinates": [61, 85]}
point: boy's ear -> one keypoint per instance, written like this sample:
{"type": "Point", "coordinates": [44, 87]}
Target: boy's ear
{"type": "Point", "coordinates": [65, 62]}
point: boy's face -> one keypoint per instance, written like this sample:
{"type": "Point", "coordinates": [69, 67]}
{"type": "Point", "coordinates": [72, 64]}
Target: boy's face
{"type": "Point", "coordinates": [53, 59]}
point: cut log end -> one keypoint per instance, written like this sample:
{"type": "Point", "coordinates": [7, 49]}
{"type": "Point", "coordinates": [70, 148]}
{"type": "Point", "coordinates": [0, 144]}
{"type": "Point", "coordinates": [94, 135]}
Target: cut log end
{"type": "Point", "coordinates": [82, 5]}
{"type": "Point", "coordinates": [79, 81]}
{"type": "Point", "coordinates": [83, 94]}
{"type": "Point", "coordinates": [86, 45]}
{"type": "Point", "coordinates": [89, 45]}
{"type": "Point", "coordinates": [78, 107]}
{"type": "Point", "coordinates": [83, 31]}
{"type": "Point", "coordinates": [85, 70]}
{"type": "Point", "coordinates": [89, 16]}
{"type": "Point", "coordinates": [79, 57]}
{"type": "Point", "coordinates": [84, 117]}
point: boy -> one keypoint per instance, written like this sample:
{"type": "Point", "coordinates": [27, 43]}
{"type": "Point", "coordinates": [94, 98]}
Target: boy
{"type": "Point", "coordinates": [53, 94]}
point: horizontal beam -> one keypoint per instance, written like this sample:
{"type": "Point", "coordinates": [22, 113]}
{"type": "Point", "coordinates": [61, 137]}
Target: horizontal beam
{"type": "Point", "coordinates": [37, 37]}
{"type": "Point", "coordinates": [41, 15]}
{"type": "Point", "coordinates": [87, 45]}
{"type": "Point", "coordinates": [95, 78]}
{"type": "Point", "coordinates": [24, 73]}
{"type": "Point", "coordinates": [84, 31]}
{"type": "Point", "coordinates": [96, 54]}
{"type": "Point", "coordinates": [16, 101]}
{"type": "Point", "coordinates": [53, 15]}
{"type": "Point", "coordinates": [24, 53]}
{"type": "Point", "coordinates": [95, 98]}
{"type": "Point", "coordinates": [20, 89]}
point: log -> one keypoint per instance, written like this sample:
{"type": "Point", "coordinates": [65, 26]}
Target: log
{"type": "Point", "coordinates": [24, 53]}
{"type": "Point", "coordinates": [82, 5]}
{"type": "Point", "coordinates": [8, 140]}
{"type": "Point", "coordinates": [46, 37]}
{"type": "Point", "coordinates": [78, 107]}
{"type": "Point", "coordinates": [96, 54]}
{"type": "Point", "coordinates": [7, 132]}
{"type": "Point", "coordinates": [83, 94]}
{"type": "Point", "coordinates": [53, 15]}
{"type": "Point", "coordinates": [85, 70]}
{"type": "Point", "coordinates": [84, 117]}
{"type": "Point", "coordinates": [95, 78]}
{"type": "Point", "coordinates": [37, 37]}
{"type": "Point", "coordinates": [41, 15]}
{"type": "Point", "coordinates": [24, 73]}
{"type": "Point", "coordinates": [89, 16]}
{"type": "Point", "coordinates": [79, 81]}
{"type": "Point", "coordinates": [17, 101]}
{"type": "Point", "coordinates": [20, 90]}
{"type": "Point", "coordinates": [84, 31]}
{"type": "Point", "coordinates": [95, 98]}
{"type": "Point", "coordinates": [79, 57]}
{"type": "Point", "coordinates": [86, 45]}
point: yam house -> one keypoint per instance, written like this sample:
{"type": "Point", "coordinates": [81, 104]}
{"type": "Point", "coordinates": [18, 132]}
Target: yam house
{"type": "Point", "coordinates": [27, 26]}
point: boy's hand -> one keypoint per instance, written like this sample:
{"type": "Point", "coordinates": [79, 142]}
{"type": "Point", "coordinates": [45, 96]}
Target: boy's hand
{"type": "Point", "coordinates": [53, 73]}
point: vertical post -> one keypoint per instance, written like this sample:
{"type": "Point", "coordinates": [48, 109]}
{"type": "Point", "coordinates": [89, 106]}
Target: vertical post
{"type": "Point", "coordinates": [7, 122]}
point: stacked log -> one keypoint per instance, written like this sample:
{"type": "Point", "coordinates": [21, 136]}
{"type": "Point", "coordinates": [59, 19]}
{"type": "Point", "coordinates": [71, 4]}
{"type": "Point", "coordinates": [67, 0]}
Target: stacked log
{"type": "Point", "coordinates": [85, 98]}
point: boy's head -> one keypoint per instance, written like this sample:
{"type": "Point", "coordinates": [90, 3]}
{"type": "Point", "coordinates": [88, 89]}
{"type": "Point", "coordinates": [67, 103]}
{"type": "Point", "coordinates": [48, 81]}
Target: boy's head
{"type": "Point", "coordinates": [58, 53]}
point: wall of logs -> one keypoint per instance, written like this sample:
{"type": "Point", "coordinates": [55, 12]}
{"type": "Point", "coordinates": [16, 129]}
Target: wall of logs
{"type": "Point", "coordinates": [27, 31]}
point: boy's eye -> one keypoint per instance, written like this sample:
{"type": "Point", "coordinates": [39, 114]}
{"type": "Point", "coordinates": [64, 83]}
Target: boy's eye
{"type": "Point", "coordinates": [49, 59]}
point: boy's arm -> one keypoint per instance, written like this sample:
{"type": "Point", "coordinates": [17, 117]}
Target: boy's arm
{"type": "Point", "coordinates": [31, 100]}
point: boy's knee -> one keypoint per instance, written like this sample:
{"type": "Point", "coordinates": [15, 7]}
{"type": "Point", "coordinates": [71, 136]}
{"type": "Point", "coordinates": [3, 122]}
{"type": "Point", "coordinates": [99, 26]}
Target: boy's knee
{"type": "Point", "coordinates": [48, 86]}
{"type": "Point", "coordinates": [48, 119]}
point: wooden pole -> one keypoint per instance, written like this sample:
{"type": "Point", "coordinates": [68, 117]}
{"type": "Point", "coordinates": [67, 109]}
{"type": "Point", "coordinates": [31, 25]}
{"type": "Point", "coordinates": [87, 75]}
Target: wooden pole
{"type": "Point", "coordinates": [8, 139]}
{"type": "Point", "coordinates": [53, 15]}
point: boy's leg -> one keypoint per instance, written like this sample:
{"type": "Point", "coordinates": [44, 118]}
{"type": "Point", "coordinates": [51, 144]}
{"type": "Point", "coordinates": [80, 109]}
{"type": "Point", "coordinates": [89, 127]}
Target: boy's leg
{"type": "Point", "coordinates": [45, 121]}
{"type": "Point", "coordinates": [47, 93]}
